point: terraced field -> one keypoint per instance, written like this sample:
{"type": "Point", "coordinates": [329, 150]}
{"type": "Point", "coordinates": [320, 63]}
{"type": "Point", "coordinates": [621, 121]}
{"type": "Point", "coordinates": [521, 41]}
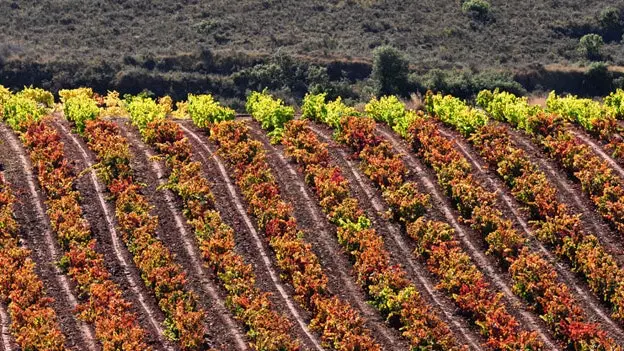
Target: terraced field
{"type": "Point", "coordinates": [126, 224]}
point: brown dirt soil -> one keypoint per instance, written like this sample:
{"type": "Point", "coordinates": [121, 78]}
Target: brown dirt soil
{"type": "Point", "coordinates": [321, 234]}
{"type": "Point", "coordinates": [36, 234]}
{"type": "Point", "coordinates": [224, 332]}
{"type": "Point", "coordinates": [401, 249]}
{"type": "Point", "coordinates": [472, 242]}
{"type": "Point", "coordinates": [595, 310]}
{"type": "Point", "coordinates": [250, 242]}
{"type": "Point", "coordinates": [569, 192]}
{"type": "Point", "coordinates": [118, 259]}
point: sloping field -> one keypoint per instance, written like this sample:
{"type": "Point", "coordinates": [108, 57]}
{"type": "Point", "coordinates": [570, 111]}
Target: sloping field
{"type": "Point", "coordinates": [128, 225]}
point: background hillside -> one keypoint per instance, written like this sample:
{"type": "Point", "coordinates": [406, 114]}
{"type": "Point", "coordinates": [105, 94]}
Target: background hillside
{"type": "Point", "coordinates": [232, 46]}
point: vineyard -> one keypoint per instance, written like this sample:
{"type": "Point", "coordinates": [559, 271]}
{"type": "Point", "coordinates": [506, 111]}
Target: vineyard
{"type": "Point", "coordinates": [133, 223]}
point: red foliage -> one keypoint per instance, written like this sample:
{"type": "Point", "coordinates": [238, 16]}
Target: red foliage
{"type": "Point", "coordinates": [434, 242]}
{"type": "Point", "coordinates": [295, 257]}
{"type": "Point", "coordinates": [116, 325]}
{"type": "Point", "coordinates": [34, 323]}
{"type": "Point", "coordinates": [535, 280]}
{"type": "Point", "coordinates": [268, 329]}
{"type": "Point", "coordinates": [554, 223]}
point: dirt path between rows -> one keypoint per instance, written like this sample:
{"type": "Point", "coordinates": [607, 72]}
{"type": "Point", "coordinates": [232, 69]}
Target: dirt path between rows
{"type": "Point", "coordinates": [35, 232]}
{"type": "Point", "coordinates": [472, 242]}
{"type": "Point", "coordinates": [592, 305]}
{"type": "Point", "coordinates": [402, 250]}
{"type": "Point", "coordinates": [225, 333]}
{"type": "Point", "coordinates": [7, 340]}
{"type": "Point", "coordinates": [598, 151]}
{"type": "Point", "coordinates": [570, 192]}
{"type": "Point", "coordinates": [205, 154]}
{"type": "Point", "coordinates": [320, 234]}
{"type": "Point", "coordinates": [100, 213]}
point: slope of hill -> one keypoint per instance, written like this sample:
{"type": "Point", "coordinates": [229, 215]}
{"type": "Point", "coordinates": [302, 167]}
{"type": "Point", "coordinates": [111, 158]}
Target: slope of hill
{"type": "Point", "coordinates": [62, 42]}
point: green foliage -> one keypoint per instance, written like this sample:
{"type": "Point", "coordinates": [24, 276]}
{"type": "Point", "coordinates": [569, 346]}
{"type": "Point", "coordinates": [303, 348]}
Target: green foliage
{"type": "Point", "coordinates": [610, 18]}
{"type": "Point", "coordinates": [387, 109]}
{"type": "Point", "coordinates": [5, 94]}
{"type": "Point", "coordinates": [66, 94]}
{"type": "Point", "coordinates": [144, 110]}
{"type": "Point", "coordinates": [477, 8]}
{"type": "Point", "coordinates": [615, 102]}
{"type": "Point", "coordinates": [590, 46]}
{"type": "Point", "coordinates": [455, 112]}
{"type": "Point", "coordinates": [19, 109]}
{"type": "Point", "coordinates": [390, 71]}
{"type": "Point", "coordinates": [315, 108]}
{"type": "Point", "coordinates": [204, 110]}
{"type": "Point", "coordinates": [504, 106]}
{"type": "Point", "coordinates": [585, 112]}
{"type": "Point", "coordinates": [79, 107]}
{"type": "Point", "coordinates": [598, 78]}
{"type": "Point", "coordinates": [390, 110]}
{"type": "Point", "coordinates": [270, 112]}
{"type": "Point", "coordinates": [465, 84]}
{"type": "Point", "coordinates": [38, 95]}
{"type": "Point", "coordinates": [336, 110]}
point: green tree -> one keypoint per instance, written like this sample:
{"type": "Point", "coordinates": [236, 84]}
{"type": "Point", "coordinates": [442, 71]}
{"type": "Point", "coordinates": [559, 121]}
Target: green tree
{"type": "Point", "coordinates": [390, 71]}
{"type": "Point", "coordinates": [610, 18]}
{"type": "Point", "coordinates": [478, 8]}
{"type": "Point", "coordinates": [590, 46]}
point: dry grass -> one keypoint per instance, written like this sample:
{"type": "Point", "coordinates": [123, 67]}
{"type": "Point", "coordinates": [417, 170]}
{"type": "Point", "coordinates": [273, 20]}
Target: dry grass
{"type": "Point", "coordinates": [415, 102]}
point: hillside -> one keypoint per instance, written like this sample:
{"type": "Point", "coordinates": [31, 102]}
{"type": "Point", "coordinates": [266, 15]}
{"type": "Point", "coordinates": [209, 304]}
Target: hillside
{"type": "Point", "coordinates": [111, 44]}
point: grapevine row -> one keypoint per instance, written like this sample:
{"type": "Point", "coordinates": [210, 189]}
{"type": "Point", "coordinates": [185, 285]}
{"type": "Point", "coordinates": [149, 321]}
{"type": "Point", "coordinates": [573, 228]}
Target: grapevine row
{"type": "Point", "coordinates": [534, 279]}
{"type": "Point", "coordinates": [34, 323]}
{"type": "Point", "coordinates": [267, 329]}
{"type": "Point", "coordinates": [116, 326]}
{"type": "Point", "coordinates": [597, 119]}
{"type": "Point", "coordinates": [553, 221]}
{"type": "Point", "coordinates": [596, 177]}
{"type": "Point", "coordinates": [164, 277]}
{"type": "Point", "coordinates": [548, 296]}
{"type": "Point", "coordinates": [435, 240]}
{"type": "Point", "coordinates": [567, 315]}
{"type": "Point", "coordinates": [341, 327]}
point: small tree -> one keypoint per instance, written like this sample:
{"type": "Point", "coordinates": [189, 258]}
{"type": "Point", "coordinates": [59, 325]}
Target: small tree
{"type": "Point", "coordinates": [610, 18]}
{"type": "Point", "coordinates": [598, 80]}
{"type": "Point", "coordinates": [590, 45]}
{"type": "Point", "coordinates": [390, 71]}
{"type": "Point", "coordinates": [477, 8]}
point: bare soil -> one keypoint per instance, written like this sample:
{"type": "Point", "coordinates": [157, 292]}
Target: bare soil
{"type": "Point", "coordinates": [596, 311]}
{"type": "Point", "coordinates": [321, 234]}
{"type": "Point", "coordinates": [36, 234]}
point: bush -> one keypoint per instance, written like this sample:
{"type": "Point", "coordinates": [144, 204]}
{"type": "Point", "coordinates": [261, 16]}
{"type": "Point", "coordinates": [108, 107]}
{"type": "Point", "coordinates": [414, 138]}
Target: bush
{"type": "Point", "coordinates": [465, 84]}
{"type": "Point", "coordinates": [390, 70]}
{"type": "Point", "coordinates": [204, 110]}
{"type": "Point", "coordinates": [388, 109]}
{"type": "Point", "coordinates": [315, 108]}
{"type": "Point", "coordinates": [5, 94]}
{"type": "Point", "coordinates": [610, 19]}
{"type": "Point", "coordinates": [79, 109]}
{"type": "Point", "coordinates": [40, 96]}
{"type": "Point", "coordinates": [598, 78]}
{"type": "Point", "coordinates": [270, 112]}
{"type": "Point", "coordinates": [144, 110]}
{"type": "Point", "coordinates": [590, 46]}
{"type": "Point", "coordinates": [477, 8]}
{"type": "Point", "coordinates": [19, 109]}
